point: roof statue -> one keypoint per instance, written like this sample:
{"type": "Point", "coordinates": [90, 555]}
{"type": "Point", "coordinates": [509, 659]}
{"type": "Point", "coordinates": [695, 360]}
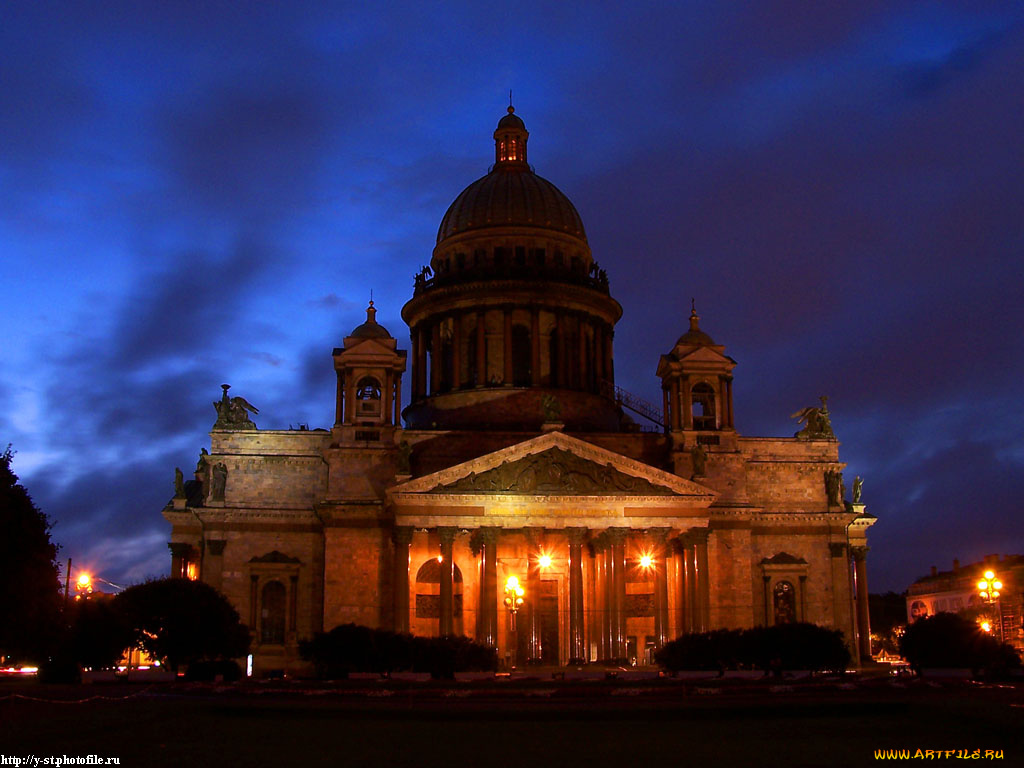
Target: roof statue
{"type": "Point", "coordinates": [817, 422]}
{"type": "Point", "coordinates": [232, 412]}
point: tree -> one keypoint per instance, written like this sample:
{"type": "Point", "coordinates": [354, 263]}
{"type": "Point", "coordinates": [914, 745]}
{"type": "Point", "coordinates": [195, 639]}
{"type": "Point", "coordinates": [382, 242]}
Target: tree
{"type": "Point", "coordinates": [30, 592]}
{"type": "Point", "coordinates": [181, 621]}
{"type": "Point", "coordinates": [946, 640]}
{"type": "Point", "coordinates": [99, 633]}
{"type": "Point", "coordinates": [888, 613]}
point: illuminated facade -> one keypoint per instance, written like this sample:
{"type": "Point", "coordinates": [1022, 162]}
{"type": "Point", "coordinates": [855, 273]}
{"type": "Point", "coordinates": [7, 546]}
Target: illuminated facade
{"type": "Point", "coordinates": [957, 590]}
{"type": "Point", "coordinates": [516, 459]}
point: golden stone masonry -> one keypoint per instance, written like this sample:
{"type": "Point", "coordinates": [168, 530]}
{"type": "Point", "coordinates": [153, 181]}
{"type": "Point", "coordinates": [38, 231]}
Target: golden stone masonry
{"type": "Point", "coordinates": [518, 458]}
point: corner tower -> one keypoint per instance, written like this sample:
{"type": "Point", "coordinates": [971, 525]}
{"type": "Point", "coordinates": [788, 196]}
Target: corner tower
{"type": "Point", "coordinates": [512, 323]}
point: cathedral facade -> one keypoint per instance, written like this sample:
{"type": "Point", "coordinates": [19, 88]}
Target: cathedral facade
{"type": "Point", "coordinates": [514, 500]}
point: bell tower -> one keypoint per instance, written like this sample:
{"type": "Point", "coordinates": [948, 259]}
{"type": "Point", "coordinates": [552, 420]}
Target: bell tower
{"type": "Point", "coordinates": [696, 383]}
{"type": "Point", "coordinates": [369, 368]}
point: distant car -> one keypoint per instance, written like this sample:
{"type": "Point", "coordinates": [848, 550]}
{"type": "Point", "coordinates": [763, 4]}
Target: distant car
{"type": "Point", "coordinates": [901, 669]}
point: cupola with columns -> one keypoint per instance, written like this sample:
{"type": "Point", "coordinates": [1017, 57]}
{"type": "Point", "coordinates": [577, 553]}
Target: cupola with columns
{"type": "Point", "coordinates": [369, 368]}
{"type": "Point", "coordinates": [696, 384]}
{"type": "Point", "coordinates": [512, 322]}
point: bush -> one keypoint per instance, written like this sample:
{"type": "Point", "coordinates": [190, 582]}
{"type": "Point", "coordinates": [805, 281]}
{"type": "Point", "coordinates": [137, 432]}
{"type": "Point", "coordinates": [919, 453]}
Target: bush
{"type": "Point", "coordinates": [783, 646]}
{"type": "Point", "coordinates": [352, 648]}
{"type": "Point", "coordinates": [719, 650]}
{"type": "Point", "coordinates": [207, 671]}
{"type": "Point", "coordinates": [946, 640]}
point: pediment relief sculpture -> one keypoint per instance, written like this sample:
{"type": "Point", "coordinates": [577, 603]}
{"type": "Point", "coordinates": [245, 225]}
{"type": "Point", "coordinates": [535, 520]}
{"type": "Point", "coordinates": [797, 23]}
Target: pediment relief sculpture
{"type": "Point", "coordinates": [555, 471]}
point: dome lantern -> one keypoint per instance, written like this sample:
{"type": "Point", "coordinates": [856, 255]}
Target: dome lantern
{"type": "Point", "coordinates": [510, 140]}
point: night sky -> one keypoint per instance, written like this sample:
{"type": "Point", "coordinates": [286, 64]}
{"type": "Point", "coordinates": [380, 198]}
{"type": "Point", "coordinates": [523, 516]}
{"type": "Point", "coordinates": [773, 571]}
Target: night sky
{"type": "Point", "coordinates": [202, 193]}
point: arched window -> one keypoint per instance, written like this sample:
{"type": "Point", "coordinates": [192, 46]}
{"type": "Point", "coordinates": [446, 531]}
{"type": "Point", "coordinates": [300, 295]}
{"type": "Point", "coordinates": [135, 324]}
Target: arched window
{"type": "Point", "coordinates": [368, 396]}
{"type": "Point", "coordinates": [428, 590]}
{"type": "Point", "coordinates": [784, 601]}
{"type": "Point", "coordinates": [703, 397]}
{"type": "Point", "coordinates": [918, 610]}
{"type": "Point", "coordinates": [272, 613]}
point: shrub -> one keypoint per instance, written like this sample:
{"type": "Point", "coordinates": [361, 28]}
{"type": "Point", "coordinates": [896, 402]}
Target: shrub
{"type": "Point", "coordinates": [352, 648]}
{"type": "Point", "coordinates": [207, 671]}
{"type": "Point", "coordinates": [783, 646]}
{"type": "Point", "coordinates": [719, 650]}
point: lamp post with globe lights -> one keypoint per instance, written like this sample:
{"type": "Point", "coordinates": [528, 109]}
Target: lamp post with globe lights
{"type": "Point", "coordinates": [988, 590]}
{"type": "Point", "coordinates": [514, 593]}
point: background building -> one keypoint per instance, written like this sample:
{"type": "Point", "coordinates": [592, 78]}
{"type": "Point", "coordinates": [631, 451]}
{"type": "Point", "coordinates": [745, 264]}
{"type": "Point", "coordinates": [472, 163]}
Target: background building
{"type": "Point", "coordinates": [957, 590]}
{"type": "Point", "coordinates": [517, 458]}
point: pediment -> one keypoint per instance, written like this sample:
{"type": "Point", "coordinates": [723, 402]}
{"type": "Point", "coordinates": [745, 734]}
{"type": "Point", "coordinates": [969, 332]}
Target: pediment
{"type": "Point", "coordinates": [555, 464]}
{"type": "Point", "coordinates": [369, 347]}
{"type": "Point", "coordinates": [706, 355]}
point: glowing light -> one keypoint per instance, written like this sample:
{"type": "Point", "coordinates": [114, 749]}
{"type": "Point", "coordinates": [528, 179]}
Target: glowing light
{"type": "Point", "coordinates": [544, 561]}
{"type": "Point", "coordinates": [982, 585]}
{"type": "Point", "coordinates": [986, 626]}
{"type": "Point", "coordinates": [440, 558]}
{"type": "Point", "coordinates": [997, 584]}
{"type": "Point", "coordinates": [512, 583]}
{"type": "Point", "coordinates": [84, 581]}
{"type": "Point", "coordinates": [192, 571]}
{"type": "Point", "coordinates": [990, 575]}
{"type": "Point", "coordinates": [646, 561]}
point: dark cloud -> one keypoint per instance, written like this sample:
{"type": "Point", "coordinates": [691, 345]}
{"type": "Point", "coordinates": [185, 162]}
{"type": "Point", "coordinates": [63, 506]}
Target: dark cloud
{"type": "Point", "coordinates": [207, 194]}
{"type": "Point", "coordinates": [188, 300]}
{"type": "Point", "coordinates": [249, 148]}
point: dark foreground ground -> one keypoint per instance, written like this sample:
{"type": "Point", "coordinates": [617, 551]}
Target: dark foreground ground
{"type": "Point", "coordinates": [521, 723]}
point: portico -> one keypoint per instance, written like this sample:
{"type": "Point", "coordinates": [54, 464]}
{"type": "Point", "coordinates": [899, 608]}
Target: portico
{"type": "Point", "coordinates": [608, 549]}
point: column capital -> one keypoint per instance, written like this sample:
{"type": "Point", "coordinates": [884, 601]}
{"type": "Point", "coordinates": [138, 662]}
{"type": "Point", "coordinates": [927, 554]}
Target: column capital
{"type": "Point", "coordinates": [483, 537]}
{"type": "Point", "coordinates": [837, 548]}
{"type": "Point", "coordinates": [402, 534]}
{"type": "Point", "coordinates": [577, 535]}
{"type": "Point", "coordinates": [216, 546]}
{"type": "Point", "coordinates": [859, 552]}
{"type": "Point", "coordinates": [179, 548]}
{"type": "Point", "coordinates": [447, 534]}
{"type": "Point", "coordinates": [692, 536]}
{"type": "Point", "coordinates": [617, 535]}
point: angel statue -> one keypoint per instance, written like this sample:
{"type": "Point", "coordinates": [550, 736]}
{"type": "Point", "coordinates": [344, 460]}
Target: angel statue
{"type": "Point", "coordinates": [817, 422]}
{"type": "Point", "coordinates": [858, 489]}
{"type": "Point", "coordinates": [233, 412]}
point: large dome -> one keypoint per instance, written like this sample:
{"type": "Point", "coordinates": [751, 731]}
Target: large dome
{"type": "Point", "coordinates": [511, 196]}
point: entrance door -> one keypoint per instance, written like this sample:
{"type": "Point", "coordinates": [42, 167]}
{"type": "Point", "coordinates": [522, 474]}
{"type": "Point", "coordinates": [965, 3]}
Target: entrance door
{"type": "Point", "coordinates": [549, 622]}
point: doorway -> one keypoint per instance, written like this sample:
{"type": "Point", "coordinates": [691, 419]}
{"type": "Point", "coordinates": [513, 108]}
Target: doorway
{"type": "Point", "coordinates": [548, 607]}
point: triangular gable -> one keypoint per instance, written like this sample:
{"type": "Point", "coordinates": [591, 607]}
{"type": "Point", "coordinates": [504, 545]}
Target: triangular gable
{"type": "Point", "coordinates": [555, 464]}
{"type": "Point", "coordinates": [367, 347]}
{"type": "Point", "coordinates": [705, 355]}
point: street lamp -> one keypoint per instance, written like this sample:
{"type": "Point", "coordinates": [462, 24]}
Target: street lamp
{"type": "Point", "coordinates": [513, 601]}
{"type": "Point", "coordinates": [513, 598]}
{"type": "Point", "coordinates": [83, 586]}
{"type": "Point", "coordinates": [988, 590]}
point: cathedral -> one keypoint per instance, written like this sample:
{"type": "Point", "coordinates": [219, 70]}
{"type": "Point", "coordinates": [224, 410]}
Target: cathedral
{"type": "Point", "coordinates": [521, 498]}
